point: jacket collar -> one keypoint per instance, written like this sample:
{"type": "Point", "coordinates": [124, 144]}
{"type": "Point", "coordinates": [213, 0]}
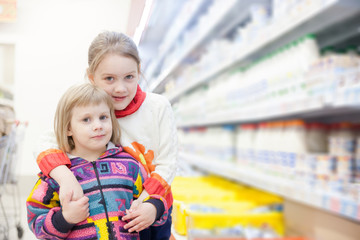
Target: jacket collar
{"type": "Point", "coordinates": [111, 149]}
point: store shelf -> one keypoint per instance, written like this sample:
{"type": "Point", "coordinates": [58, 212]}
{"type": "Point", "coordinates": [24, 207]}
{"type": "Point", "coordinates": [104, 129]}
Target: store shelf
{"type": "Point", "coordinates": [216, 28]}
{"type": "Point", "coordinates": [304, 109]}
{"type": "Point", "coordinates": [278, 36]}
{"type": "Point", "coordinates": [339, 205]}
{"type": "Point", "coordinates": [330, 104]}
{"type": "Point", "coordinates": [176, 31]}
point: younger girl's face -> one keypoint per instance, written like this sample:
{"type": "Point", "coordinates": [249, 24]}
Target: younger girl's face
{"type": "Point", "coordinates": [90, 129]}
{"type": "Point", "coordinates": [118, 76]}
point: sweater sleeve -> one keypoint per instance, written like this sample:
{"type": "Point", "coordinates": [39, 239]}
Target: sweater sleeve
{"type": "Point", "coordinates": [48, 155]}
{"type": "Point", "coordinates": [166, 160]}
{"type": "Point", "coordinates": [158, 201]}
{"type": "Point", "coordinates": [162, 211]}
{"type": "Point", "coordinates": [44, 213]}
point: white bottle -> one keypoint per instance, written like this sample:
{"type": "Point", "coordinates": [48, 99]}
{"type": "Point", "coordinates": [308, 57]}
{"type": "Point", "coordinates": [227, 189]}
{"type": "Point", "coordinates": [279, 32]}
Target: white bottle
{"type": "Point", "coordinates": [310, 51]}
{"type": "Point", "coordinates": [279, 141]}
{"type": "Point", "coordinates": [227, 146]}
{"type": "Point", "coordinates": [245, 137]}
{"type": "Point", "coordinates": [260, 144]}
{"type": "Point", "coordinates": [295, 136]}
{"type": "Point", "coordinates": [294, 144]}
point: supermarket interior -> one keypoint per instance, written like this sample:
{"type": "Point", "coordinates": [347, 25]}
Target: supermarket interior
{"type": "Point", "coordinates": [265, 96]}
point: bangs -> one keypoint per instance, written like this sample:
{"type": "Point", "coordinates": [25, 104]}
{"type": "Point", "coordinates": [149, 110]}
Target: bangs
{"type": "Point", "coordinates": [91, 96]}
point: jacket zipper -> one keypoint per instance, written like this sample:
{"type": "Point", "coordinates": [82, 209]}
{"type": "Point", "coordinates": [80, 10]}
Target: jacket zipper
{"type": "Point", "coordinates": [101, 190]}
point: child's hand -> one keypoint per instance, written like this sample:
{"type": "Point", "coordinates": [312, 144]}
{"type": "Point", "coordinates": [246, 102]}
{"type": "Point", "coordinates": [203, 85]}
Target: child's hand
{"type": "Point", "coordinates": [75, 211]}
{"type": "Point", "coordinates": [140, 218]}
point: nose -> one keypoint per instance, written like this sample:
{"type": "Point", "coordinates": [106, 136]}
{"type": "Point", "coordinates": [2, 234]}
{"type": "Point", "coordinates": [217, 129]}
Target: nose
{"type": "Point", "coordinates": [120, 87]}
{"type": "Point", "coordinates": [97, 125]}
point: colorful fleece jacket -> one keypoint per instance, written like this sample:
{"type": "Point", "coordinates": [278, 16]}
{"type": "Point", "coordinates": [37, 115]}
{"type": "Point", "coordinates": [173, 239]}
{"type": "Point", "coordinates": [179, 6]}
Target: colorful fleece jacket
{"type": "Point", "coordinates": [149, 135]}
{"type": "Point", "coordinates": [111, 183]}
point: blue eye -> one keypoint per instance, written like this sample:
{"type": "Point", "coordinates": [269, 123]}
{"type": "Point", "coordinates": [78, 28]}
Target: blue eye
{"type": "Point", "coordinates": [86, 120]}
{"type": "Point", "coordinates": [103, 117]}
{"type": "Point", "coordinates": [109, 79]}
{"type": "Point", "coordinates": [129, 77]}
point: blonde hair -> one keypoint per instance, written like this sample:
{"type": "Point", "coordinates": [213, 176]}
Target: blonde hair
{"type": "Point", "coordinates": [78, 96]}
{"type": "Point", "coordinates": [109, 42]}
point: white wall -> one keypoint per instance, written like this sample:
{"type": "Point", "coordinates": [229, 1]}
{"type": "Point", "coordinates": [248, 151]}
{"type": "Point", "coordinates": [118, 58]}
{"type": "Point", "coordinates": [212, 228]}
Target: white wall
{"type": "Point", "coordinates": [51, 41]}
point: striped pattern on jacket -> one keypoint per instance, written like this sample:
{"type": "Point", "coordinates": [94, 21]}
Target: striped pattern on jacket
{"type": "Point", "coordinates": [111, 183]}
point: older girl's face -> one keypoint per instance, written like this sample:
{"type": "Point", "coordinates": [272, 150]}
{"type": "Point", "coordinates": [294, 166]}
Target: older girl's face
{"type": "Point", "coordinates": [118, 76]}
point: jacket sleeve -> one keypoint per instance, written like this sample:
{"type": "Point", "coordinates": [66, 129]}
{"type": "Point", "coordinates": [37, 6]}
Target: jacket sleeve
{"type": "Point", "coordinates": [48, 155]}
{"type": "Point", "coordinates": [44, 213]}
{"type": "Point", "coordinates": [158, 201]}
{"type": "Point", "coordinates": [166, 160]}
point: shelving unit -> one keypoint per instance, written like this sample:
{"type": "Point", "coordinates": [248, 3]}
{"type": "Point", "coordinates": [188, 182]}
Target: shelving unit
{"type": "Point", "coordinates": [327, 24]}
{"type": "Point", "coordinates": [313, 22]}
{"type": "Point", "coordinates": [190, 12]}
{"type": "Point", "coordinates": [216, 28]}
{"type": "Point", "coordinates": [339, 205]}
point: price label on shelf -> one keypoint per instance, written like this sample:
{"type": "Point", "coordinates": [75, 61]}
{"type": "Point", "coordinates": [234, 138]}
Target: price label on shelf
{"type": "Point", "coordinates": [335, 204]}
{"type": "Point", "coordinates": [349, 208]}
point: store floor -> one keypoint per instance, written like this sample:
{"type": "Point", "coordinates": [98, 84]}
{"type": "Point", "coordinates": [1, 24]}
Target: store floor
{"type": "Point", "coordinates": [15, 209]}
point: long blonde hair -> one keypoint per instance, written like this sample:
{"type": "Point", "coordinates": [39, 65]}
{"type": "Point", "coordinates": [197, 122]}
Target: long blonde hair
{"type": "Point", "coordinates": [109, 42]}
{"type": "Point", "coordinates": [78, 96]}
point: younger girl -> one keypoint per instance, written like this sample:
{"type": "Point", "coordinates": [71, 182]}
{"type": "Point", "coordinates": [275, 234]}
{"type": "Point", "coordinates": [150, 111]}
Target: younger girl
{"type": "Point", "coordinates": [87, 130]}
{"type": "Point", "coordinates": [147, 125]}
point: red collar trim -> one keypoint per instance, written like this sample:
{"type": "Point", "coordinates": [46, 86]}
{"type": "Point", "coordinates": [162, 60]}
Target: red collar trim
{"type": "Point", "coordinates": [133, 105]}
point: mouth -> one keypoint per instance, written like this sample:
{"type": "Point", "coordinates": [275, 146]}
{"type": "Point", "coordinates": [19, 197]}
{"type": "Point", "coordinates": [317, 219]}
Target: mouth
{"type": "Point", "coordinates": [98, 136]}
{"type": "Point", "coordinates": [118, 99]}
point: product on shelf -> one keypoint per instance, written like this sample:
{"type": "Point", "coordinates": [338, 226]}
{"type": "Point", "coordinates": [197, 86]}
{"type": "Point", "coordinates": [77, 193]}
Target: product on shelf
{"type": "Point", "coordinates": [318, 156]}
{"type": "Point", "coordinates": [316, 137]}
{"type": "Point", "coordinates": [342, 139]}
{"type": "Point", "coordinates": [217, 206]}
{"type": "Point", "coordinates": [215, 144]}
{"type": "Point", "coordinates": [245, 141]}
{"type": "Point", "coordinates": [271, 82]}
{"type": "Point", "coordinates": [357, 162]}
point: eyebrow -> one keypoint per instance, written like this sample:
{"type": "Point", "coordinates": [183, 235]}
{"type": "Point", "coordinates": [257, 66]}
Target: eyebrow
{"type": "Point", "coordinates": [111, 74]}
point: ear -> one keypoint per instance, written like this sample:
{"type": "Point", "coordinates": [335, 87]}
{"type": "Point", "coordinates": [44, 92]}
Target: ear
{"type": "Point", "coordinates": [90, 76]}
{"type": "Point", "coordinates": [69, 132]}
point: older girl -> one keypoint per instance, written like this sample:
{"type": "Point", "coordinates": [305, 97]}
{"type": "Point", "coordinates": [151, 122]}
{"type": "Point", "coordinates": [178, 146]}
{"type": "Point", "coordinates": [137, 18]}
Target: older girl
{"type": "Point", "coordinates": [147, 124]}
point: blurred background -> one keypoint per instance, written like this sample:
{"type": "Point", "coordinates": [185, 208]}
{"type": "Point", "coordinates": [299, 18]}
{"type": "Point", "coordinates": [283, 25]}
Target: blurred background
{"type": "Point", "coordinates": [266, 95]}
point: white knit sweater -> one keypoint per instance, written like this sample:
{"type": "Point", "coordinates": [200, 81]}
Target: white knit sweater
{"type": "Point", "coordinates": [153, 126]}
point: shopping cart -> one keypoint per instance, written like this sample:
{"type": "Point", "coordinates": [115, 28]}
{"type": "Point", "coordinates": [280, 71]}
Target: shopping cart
{"type": "Point", "coordinates": [9, 148]}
